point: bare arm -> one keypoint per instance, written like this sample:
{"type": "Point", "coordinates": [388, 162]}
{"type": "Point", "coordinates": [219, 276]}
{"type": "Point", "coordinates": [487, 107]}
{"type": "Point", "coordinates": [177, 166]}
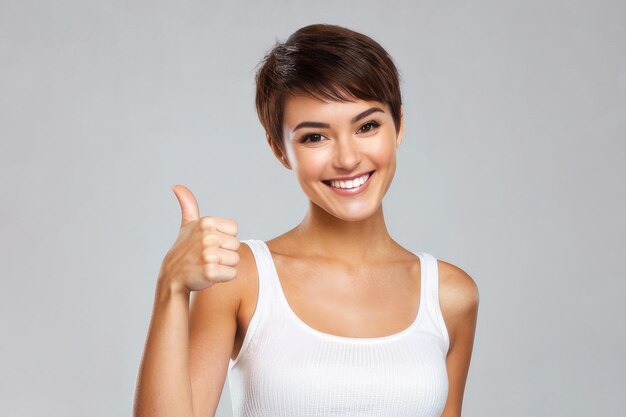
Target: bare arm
{"type": "Point", "coordinates": [163, 385]}
{"type": "Point", "coordinates": [459, 303]}
{"type": "Point", "coordinates": [203, 259]}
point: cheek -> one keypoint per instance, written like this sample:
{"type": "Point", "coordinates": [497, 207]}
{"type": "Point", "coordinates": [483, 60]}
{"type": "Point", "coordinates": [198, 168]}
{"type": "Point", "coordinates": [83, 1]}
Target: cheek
{"type": "Point", "coordinates": [310, 165]}
{"type": "Point", "coordinates": [384, 152]}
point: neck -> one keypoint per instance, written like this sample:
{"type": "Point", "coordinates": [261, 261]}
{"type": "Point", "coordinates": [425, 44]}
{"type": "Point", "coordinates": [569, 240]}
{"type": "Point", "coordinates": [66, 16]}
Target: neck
{"type": "Point", "coordinates": [355, 242]}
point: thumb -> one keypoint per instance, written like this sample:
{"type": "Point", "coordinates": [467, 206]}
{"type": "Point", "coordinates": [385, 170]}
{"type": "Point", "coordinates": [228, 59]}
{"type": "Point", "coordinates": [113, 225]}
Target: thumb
{"type": "Point", "coordinates": [188, 204]}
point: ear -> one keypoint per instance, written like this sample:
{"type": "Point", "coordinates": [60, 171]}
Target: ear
{"type": "Point", "coordinates": [279, 153]}
{"type": "Point", "coordinates": [401, 129]}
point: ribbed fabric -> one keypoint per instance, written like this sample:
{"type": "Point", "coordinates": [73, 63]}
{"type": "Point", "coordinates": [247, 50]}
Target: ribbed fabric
{"type": "Point", "coordinates": [288, 369]}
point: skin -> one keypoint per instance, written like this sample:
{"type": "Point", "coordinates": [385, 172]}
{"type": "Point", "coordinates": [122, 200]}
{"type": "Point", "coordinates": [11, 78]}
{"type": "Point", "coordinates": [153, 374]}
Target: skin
{"type": "Point", "coordinates": [350, 264]}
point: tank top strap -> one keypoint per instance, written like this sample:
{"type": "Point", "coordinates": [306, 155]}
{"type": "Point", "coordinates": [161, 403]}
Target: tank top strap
{"type": "Point", "coordinates": [431, 296]}
{"type": "Point", "coordinates": [265, 268]}
{"type": "Point", "coordinates": [265, 265]}
{"type": "Point", "coordinates": [265, 287]}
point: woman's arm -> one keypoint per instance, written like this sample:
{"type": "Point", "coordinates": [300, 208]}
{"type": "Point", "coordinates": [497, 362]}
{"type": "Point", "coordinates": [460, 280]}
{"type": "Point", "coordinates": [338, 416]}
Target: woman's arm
{"type": "Point", "coordinates": [188, 348]}
{"type": "Point", "coordinates": [203, 259]}
{"type": "Point", "coordinates": [163, 384]}
{"type": "Point", "coordinates": [458, 297]}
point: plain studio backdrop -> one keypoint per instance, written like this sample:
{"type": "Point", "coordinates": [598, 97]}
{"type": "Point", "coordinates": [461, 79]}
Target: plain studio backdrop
{"type": "Point", "coordinates": [512, 167]}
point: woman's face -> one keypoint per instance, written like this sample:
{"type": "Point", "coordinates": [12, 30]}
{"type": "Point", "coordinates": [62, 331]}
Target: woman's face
{"type": "Point", "coordinates": [343, 153]}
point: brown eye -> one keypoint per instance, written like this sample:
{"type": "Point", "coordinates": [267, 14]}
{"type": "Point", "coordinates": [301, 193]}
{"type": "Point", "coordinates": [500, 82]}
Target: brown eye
{"type": "Point", "coordinates": [369, 126]}
{"type": "Point", "coordinates": [316, 137]}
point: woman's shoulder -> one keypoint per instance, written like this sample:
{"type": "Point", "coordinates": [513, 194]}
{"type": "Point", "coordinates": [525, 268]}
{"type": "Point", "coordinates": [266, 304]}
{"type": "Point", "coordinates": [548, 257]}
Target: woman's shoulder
{"type": "Point", "coordinates": [456, 283]}
{"type": "Point", "coordinates": [457, 289]}
{"type": "Point", "coordinates": [458, 295]}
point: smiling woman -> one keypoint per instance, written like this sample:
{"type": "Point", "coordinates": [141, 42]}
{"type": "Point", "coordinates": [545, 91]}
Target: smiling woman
{"type": "Point", "coordinates": [332, 317]}
{"type": "Point", "coordinates": [347, 141]}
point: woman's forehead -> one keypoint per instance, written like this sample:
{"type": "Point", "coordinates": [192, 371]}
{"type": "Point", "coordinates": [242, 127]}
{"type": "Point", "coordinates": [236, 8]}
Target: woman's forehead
{"type": "Point", "coordinates": [300, 107]}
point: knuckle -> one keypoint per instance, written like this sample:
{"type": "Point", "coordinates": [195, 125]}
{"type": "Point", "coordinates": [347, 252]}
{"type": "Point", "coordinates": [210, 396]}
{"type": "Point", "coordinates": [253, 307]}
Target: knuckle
{"type": "Point", "coordinates": [210, 240]}
{"type": "Point", "coordinates": [210, 270]}
{"type": "Point", "coordinates": [231, 224]}
{"type": "Point", "coordinates": [228, 274]}
{"type": "Point", "coordinates": [208, 255]}
{"type": "Point", "coordinates": [207, 223]}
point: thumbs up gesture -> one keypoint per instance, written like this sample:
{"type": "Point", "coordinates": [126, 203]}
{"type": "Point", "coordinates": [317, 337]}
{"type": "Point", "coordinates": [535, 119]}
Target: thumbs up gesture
{"type": "Point", "coordinates": [205, 251]}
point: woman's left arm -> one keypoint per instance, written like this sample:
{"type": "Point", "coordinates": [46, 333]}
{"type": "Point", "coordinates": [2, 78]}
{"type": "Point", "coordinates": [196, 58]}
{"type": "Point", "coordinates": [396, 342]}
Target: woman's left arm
{"type": "Point", "coordinates": [458, 298]}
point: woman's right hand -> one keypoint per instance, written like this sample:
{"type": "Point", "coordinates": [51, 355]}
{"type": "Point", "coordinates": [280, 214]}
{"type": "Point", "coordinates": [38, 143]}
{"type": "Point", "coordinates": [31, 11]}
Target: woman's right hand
{"type": "Point", "coordinates": [205, 251]}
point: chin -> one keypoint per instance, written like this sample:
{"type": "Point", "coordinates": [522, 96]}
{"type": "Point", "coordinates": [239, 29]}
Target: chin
{"type": "Point", "coordinates": [354, 215]}
{"type": "Point", "coordinates": [352, 218]}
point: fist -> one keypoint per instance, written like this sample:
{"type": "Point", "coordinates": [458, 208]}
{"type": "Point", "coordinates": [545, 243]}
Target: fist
{"type": "Point", "coordinates": [205, 251]}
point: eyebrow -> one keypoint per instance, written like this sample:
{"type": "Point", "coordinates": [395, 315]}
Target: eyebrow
{"type": "Point", "coordinates": [326, 125]}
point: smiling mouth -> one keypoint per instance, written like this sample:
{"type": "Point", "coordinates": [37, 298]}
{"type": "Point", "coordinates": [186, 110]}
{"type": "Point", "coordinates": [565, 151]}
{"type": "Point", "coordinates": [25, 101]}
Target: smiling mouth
{"type": "Point", "coordinates": [347, 184]}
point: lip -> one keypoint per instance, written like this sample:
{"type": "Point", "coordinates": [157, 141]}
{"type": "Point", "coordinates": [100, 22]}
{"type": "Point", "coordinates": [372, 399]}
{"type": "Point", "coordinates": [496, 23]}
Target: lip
{"type": "Point", "coordinates": [352, 191]}
{"type": "Point", "coordinates": [348, 178]}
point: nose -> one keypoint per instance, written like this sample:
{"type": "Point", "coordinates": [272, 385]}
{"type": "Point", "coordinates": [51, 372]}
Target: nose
{"type": "Point", "coordinates": [347, 154]}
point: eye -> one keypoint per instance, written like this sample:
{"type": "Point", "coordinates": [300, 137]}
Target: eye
{"type": "Point", "coordinates": [313, 138]}
{"type": "Point", "coordinates": [369, 126]}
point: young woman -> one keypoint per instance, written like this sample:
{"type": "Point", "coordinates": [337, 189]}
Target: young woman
{"type": "Point", "coordinates": [333, 317]}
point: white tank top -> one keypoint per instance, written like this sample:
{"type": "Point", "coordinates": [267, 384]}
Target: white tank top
{"type": "Point", "coordinates": [286, 368]}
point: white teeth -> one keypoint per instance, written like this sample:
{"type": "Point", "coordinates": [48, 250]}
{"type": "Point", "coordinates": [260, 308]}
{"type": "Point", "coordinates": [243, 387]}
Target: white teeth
{"type": "Point", "coordinates": [357, 182]}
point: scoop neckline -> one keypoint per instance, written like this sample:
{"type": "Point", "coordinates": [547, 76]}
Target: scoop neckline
{"type": "Point", "coordinates": [359, 340]}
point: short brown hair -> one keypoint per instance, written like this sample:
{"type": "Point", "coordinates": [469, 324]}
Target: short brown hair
{"type": "Point", "coordinates": [326, 62]}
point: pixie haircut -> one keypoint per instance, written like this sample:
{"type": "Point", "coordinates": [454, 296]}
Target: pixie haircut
{"type": "Point", "coordinates": [329, 63]}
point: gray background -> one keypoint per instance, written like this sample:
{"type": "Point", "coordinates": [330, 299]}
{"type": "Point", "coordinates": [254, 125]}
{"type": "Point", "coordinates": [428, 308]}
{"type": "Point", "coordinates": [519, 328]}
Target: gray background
{"type": "Point", "coordinates": [512, 167]}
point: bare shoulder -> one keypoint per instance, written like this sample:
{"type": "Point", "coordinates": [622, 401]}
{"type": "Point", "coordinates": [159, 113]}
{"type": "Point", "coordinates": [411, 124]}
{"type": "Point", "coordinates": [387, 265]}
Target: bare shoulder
{"type": "Point", "coordinates": [458, 296]}
{"type": "Point", "coordinates": [456, 286]}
